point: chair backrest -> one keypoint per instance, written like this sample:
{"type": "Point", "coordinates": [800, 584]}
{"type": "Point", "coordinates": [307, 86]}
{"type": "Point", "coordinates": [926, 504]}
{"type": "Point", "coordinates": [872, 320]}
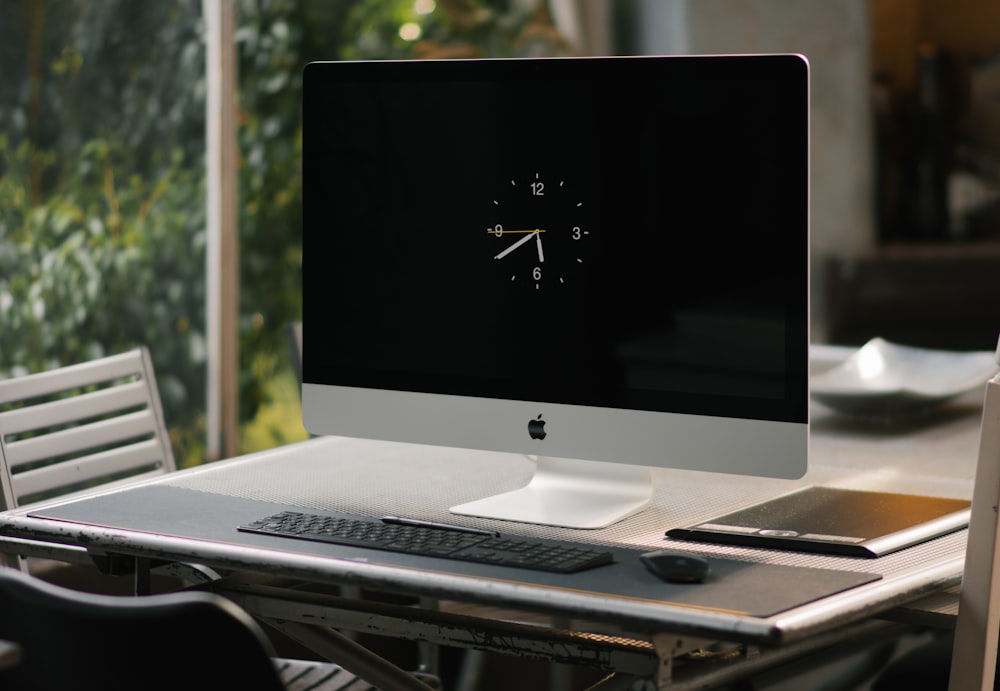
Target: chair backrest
{"type": "Point", "coordinates": [72, 428]}
{"type": "Point", "coordinates": [180, 640]}
{"type": "Point", "coordinates": [977, 629]}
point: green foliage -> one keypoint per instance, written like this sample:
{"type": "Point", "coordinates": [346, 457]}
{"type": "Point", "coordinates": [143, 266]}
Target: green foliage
{"type": "Point", "coordinates": [489, 29]}
{"type": "Point", "coordinates": [102, 240]}
{"type": "Point", "coordinates": [105, 266]}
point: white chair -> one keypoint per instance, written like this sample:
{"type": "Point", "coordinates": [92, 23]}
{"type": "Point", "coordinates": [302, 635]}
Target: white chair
{"type": "Point", "coordinates": [967, 661]}
{"type": "Point", "coordinates": [78, 429]}
{"type": "Point", "coordinates": [977, 630]}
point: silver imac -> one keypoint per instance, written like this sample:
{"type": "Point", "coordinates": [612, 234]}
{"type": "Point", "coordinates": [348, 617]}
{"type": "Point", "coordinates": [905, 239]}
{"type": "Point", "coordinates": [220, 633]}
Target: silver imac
{"type": "Point", "coordinates": [601, 263]}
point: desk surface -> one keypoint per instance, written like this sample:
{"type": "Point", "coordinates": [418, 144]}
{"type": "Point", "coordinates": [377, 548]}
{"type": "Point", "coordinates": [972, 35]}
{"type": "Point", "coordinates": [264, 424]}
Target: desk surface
{"type": "Point", "coordinates": [934, 455]}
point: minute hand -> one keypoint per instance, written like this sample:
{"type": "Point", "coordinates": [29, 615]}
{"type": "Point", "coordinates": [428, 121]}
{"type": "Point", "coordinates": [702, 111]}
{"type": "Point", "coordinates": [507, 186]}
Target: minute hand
{"type": "Point", "coordinates": [517, 244]}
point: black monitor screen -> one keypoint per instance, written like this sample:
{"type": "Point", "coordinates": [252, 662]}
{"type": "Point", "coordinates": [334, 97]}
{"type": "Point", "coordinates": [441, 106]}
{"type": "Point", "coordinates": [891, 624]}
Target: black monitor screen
{"type": "Point", "coordinates": [613, 232]}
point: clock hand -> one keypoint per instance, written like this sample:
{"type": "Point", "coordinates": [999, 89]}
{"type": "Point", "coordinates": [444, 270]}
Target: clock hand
{"type": "Point", "coordinates": [517, 244]}
{"type": "Point", "coordinates": [498, 233]}
{"type": "Point", "coordinates": [538, 238]}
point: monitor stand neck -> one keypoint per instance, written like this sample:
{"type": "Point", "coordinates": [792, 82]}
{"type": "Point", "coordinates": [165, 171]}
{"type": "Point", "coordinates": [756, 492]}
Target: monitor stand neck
{"type": "Point", "coordinates": [570, 493]}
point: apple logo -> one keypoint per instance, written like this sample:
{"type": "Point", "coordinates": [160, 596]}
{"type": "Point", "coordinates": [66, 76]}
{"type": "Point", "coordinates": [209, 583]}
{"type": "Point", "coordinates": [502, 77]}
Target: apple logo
{"type": "Point", "coordinates": [536, 428]}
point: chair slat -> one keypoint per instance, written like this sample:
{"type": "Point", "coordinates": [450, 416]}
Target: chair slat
{"type": "Point", "coordinates": [88, 405]}
{"type": "Point", "coordinates": [91, 468]}
{"type": "Point", "coordinates": [82, 438]}
{"type": "Point", "coordinates": [73, 376]}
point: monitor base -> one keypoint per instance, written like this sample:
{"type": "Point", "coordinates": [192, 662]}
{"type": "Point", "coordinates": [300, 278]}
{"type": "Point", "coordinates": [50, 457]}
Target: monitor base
{"type": "Point", "coordinates": [570, 493]}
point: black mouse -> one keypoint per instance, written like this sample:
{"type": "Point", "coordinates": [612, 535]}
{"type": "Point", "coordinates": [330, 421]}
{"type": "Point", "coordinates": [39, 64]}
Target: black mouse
{"type": "Point", "coordinates": [676, 567]}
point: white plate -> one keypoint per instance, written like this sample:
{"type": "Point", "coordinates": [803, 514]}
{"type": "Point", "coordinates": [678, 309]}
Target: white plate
{"type": "Point", "coordinates": [886, 379]}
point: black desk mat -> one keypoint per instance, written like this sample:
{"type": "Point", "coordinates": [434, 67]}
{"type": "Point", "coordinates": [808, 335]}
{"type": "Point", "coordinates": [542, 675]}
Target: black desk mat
{"type": "Point", "coordinates": [735, 587]}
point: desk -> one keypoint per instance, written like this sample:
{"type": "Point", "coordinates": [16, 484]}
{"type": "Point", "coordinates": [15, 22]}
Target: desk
{"type": "Point", "coordinates": [935, 455]}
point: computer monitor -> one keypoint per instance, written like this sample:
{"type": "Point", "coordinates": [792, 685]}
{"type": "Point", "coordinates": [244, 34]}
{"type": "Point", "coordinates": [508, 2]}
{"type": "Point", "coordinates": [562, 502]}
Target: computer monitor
{"type": "Point", "coordinates": [598, 262]}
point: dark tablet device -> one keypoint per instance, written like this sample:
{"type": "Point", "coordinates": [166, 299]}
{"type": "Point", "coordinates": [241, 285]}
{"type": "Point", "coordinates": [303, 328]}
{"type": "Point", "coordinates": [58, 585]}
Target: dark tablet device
{"type": "Point", "coordinates": [834, 521]}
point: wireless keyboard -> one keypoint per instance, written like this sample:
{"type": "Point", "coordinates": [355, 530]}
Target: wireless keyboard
{"type": "Point", "coordinates": [432, 542]}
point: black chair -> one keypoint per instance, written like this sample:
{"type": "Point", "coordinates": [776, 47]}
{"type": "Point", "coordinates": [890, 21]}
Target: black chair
{"type": "Point", "coordinates": [186, 640]}
{"type": "Point", "coordinates": [927, 666]}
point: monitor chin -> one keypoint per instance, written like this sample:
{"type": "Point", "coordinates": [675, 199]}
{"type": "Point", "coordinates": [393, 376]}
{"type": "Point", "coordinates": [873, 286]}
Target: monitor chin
{"type": "Point", "coordinates": [569, 493]}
